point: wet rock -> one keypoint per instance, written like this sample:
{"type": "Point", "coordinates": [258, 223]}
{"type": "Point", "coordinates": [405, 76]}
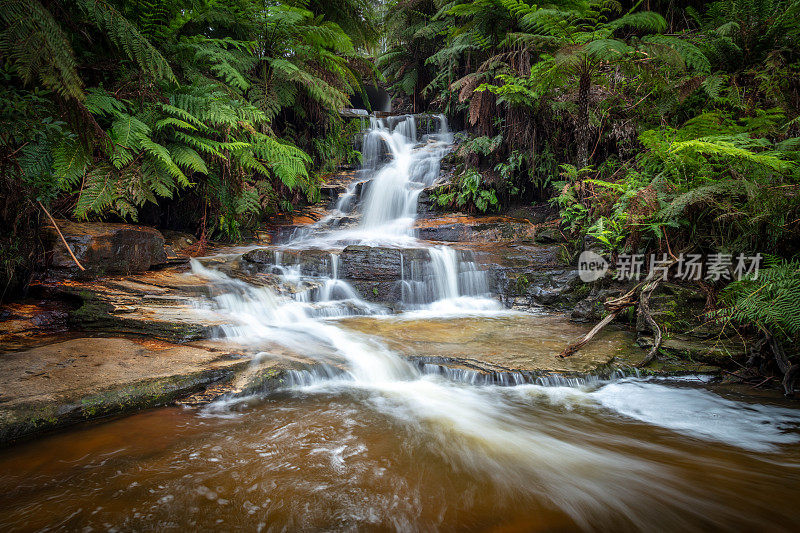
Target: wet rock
{"type": "Point", "coordinates": [676, 308]}
{"type": "Point", "coordinates": [30, 322]}
{"type": "Point", "coordinates": [158, 303]}
{"type": "Point", "coordinates": [336, 186]}
{"type": "Point", "coordinates": [524, 342]}
{"type": "Point", "coordinates": [679, 310]}
{"type": "Point", "coordinates": [378, 291]}
{"type": "Point", "coordinates": [177, 244]}
{"type": "Point", "coordinates": [591, 308]}
{"type": "Point", "coordinates": [537, 214]}
{"type": "Point", "coordinates": [67, 382]}
{"type": "Point", "coordinates": [723, 353]}
{"type": "Point", "coordinates": [374, 263]}
{"type": "Point", "coordinates": [549, 235]}
{"type": "Point", "coordinates": [104, 248]}
{"type": "Point", "coordinates": [461, 228]}
{"type": "Point", "coordinates": [531, 276]}
{"type": "Point", "coordinates": [313, 262]}
{"type": "Point", "coordinates": [98, 313]}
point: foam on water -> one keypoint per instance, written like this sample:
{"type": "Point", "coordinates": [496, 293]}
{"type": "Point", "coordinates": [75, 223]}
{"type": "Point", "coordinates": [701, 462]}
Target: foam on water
{"type": "Point", "coordinates": [702, 414]}
{"type": "Point", "coordinates": [258, 314]}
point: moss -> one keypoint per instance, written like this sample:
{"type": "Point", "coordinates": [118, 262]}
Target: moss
{"type": "Point", "coordinates": [521, 284]}
{"type": "Point", "coordinates": [581, 291]}
{"type": "Point", "coordinates": [96, 314]}
{"type": "Point", "coordinates": [27, 420]}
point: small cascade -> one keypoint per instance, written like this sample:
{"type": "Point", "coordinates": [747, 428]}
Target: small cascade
{"type": "Point", "coordinates": [390, 199]}
{"type": "Point", "coordinates": [450, 283]}
{"type": "Point", "coordinates": [396, 166]}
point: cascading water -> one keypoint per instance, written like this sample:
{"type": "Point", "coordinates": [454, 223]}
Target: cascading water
{"type": "Point", "coordinates": [396, 167]}
{"type": "Point", "coordinates": [512, 438]}
{"type": "Point", "coordinates": [370, 440]}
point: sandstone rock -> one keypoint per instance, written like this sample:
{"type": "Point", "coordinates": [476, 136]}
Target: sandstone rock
{"type": "Point", "coordinates": [59, 384]}
{"type": "Point", "coordinates": [105, 248]}
{"type": "Point", "coordinates": [375, 263]}
{"type": "Point", "coordinates": [488, 229]}
{"type": "Point", "coordinates": [177, 244]}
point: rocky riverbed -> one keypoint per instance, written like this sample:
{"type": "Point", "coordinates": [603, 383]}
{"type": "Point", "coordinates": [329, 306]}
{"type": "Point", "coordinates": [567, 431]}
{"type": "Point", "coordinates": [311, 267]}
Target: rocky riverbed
{"type": "Point", "coordinates": [95, 346]}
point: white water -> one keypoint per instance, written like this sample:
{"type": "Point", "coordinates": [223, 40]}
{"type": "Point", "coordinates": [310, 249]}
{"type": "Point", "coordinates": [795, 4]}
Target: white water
{"type": "Point", "coordinates": [397, 166]}
{"type": "Point", "coordinates": [486, 430]}
{"type": "Point", "coordinates": [259, 315]}
{"type": "Point", "coordinates": [475, 427]}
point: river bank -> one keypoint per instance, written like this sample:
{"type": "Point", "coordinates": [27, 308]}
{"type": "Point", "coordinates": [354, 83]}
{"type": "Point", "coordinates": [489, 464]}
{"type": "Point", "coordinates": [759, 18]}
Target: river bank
{"type": "Point", "coordinates": [114, 344]}
{"type": "Point", "coordinates": [139, 323]}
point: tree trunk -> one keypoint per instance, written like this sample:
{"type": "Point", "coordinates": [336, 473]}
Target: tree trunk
{"type": "Point", "coordinates": [582, 133]}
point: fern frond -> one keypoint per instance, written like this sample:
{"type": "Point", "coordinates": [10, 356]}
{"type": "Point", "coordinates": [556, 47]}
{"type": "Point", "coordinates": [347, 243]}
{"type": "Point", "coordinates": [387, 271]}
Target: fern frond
{"type": "Point", "coordinates": [38, 48]}
{"type": "Point", "coordinates": [126, 37]}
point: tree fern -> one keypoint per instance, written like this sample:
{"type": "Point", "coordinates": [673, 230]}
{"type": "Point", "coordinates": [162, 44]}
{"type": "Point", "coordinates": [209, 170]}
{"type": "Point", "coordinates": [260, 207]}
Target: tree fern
{"type": "Point", "coordinates": [70, 160]}
{"type": "Point", "coordinates": [39, 48]}
{"type": "Point", "coordinates": [127, 37]}
{"type": "Point", "coordinates": [771, 299]}
{"type": "Point", "coordinates": [99, 191]}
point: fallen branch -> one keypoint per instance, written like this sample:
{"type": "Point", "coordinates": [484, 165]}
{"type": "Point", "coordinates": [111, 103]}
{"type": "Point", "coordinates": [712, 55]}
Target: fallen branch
{"type": "Point", "coordinates": [53, 221]}
{"type": "Point", "coordinates": [575, 346]}
{"type": "Point", "coordinates": [644, 311]}
{"type": "Point", "coordinates": [615, 307]}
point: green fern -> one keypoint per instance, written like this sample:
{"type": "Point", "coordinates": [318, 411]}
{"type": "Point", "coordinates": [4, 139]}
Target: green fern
{"type": "Point", "coordinates": [770, 300]}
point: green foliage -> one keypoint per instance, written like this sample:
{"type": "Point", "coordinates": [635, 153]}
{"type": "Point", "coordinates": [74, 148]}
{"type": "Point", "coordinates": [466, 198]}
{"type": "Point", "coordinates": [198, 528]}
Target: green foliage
{"type": "Point", "coordinates": [230, 102]}
{"type": "Point", "coordinates": [468, 190]}
{"type": "Point", "coordinates": [770, 299]}
{"type": "Point", "coordinates": [611, 232]}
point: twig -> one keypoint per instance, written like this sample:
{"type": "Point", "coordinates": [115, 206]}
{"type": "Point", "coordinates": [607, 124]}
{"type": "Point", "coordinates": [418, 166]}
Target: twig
{"type": "Point", "coordinates": [734, 374]}
{"type": "Point", "coordinates": [46, 212]}
{"type": "Point", "coordinates": [761, 383]}
{"type": "Point", "coordinates": [574, 347]}
{"type": "Point", "coordinates": [644, 310]}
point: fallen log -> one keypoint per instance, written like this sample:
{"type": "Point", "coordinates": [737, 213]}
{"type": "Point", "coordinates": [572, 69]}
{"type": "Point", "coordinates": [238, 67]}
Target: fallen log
{"type": "Point", "coordinates": [616, 306]}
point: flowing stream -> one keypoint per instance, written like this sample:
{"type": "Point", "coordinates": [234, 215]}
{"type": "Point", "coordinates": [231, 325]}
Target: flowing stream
{"type": "Point", "coordinates": [367, 439]}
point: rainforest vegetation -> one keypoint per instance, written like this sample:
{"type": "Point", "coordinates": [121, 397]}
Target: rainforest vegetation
{"type": "Point", "coordinates": [649, 126]}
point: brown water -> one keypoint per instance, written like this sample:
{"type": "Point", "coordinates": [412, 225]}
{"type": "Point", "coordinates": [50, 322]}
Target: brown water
{"type": "Point", "coordinates": [513, 340]}
{"type": "Point", "coordinates": [419, 455]}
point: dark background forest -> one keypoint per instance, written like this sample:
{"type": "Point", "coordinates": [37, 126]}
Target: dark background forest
{"type": "Point", "coordinates": [650, 126]}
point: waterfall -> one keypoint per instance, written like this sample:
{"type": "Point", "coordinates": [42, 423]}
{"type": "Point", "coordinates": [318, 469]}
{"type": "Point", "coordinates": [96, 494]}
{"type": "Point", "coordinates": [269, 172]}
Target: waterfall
{"type": "Point", "coordinates": [396, 166]}
{"type": "Point", "coordinates": [390, 200]}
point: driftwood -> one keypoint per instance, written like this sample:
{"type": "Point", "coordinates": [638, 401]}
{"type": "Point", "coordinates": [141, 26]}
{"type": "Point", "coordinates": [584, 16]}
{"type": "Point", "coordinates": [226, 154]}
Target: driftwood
{"type": "Point", "coordinates": [641, 294]}
{"type": "Point", "coordinates": [53, 221]}
{"type": "Point", "coordinates": [614, 306]}
{"type": "Point", "coordinates": [644, 311]}
{"type": "Point", "coordinates": [790, 371]}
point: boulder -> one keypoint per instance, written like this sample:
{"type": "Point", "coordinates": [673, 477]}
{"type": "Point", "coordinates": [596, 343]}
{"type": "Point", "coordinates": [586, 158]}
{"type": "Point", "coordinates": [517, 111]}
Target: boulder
{"type": "Point", "coordinates": [178, 244]}
{"type": "Point", "coordinates": [374, 263]}
{"type": "Point", "coordinates": [105, 248]}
